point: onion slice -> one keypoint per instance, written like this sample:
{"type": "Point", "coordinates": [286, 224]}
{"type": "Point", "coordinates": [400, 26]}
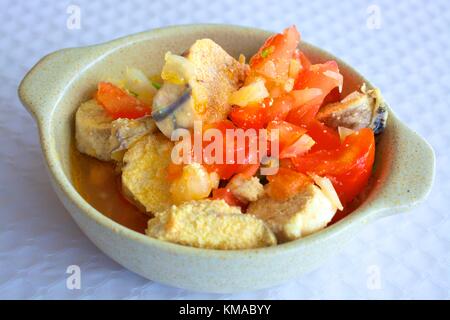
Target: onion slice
{"type": "Point", "coordinates": [336, 76]}
{"type": "Point", "coordinates": [327, 188]}
{"type": "Point", "coordinates": [299, 147]}
{"type": "Point", "coordinates": [344, 133]}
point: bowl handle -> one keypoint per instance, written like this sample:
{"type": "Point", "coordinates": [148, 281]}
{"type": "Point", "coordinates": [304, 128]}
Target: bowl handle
{"type": "Point", "coordinates": [407, 175]}
{"type": "Point", "coordinates": [45, 82]}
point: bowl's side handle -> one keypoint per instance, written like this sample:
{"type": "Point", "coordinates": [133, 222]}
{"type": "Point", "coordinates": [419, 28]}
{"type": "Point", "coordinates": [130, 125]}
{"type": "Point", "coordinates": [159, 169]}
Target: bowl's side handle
{"type": "Point", "coordinates": [408, 174]}
{"type": "Point", "coordinates": [45, 82]}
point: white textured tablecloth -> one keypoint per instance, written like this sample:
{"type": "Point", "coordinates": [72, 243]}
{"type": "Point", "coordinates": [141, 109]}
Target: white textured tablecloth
{"type": "Point", "coordinates": [406, 52]}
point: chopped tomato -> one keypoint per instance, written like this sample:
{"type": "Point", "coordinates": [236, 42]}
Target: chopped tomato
{"type": "Point", "coordinates": [326, 138]}
{"type": "Point", "coordinates": [273, 59]}
{"type": "Point", "coordinates": [315, 83]}
{"type": "Point", "coordinates": [302, 146]}
{"type": "Point", "coordinates": [332, 97]}
{"type": "Point", "coordinates": [303, 115]}
{"type": "Point", "coordinates": [288, 133]}
{"type": "Point", "coordinates": [319, 76]}
{"type": "Point", "coordinates": [248, 170]}
{"type": "Point", "coordinates": [347, 166]}
{"type": "Point", "coordinates": [242, 161]}
{"type": "Point", "coordinates": [279, 108]}
{"type": "Point", "coordinates": [286, 183]}
{"type": "Point", "coordinates": [225, 194]}
{"type": "Point", "coordinates": [257, 116]}
{"type": "Point", "coordinates": [286, 163]}
{"type": "Point", "coordinates": [118, 103]}
{"type": "Point", "coordinates": [304, 61]}
{"type": "Point", "coordinates": [253, 116]}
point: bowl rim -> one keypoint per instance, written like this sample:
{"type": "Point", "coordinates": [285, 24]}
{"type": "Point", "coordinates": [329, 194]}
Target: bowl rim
{"type": "Point", "coordinates": [359, 215]}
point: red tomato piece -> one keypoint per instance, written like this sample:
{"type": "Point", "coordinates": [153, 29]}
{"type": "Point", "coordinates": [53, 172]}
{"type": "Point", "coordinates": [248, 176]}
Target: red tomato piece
{"type": "Point", "coordinates": [323, 76]}
{"type": "Point", "coordinates": [288, 133]}
{"type": "Point", "coordinates": [349, 166]}
{"type": "Point", "coordinates": [273, 59]}
{"type": "Point", "coordinates": [243, 160]}
{"type": "Point", "coordinates": [326, 138]}
{"type": "Point", "coordinates": [304, 61]}
{"type": "Point", "coordinates": [303, 115]}
{"type": "Point", "coordinates": [316, 77]}
{"type": "Point", "coordinates": [279, 108]}
{"type": "Point", "coordinates": [118, 103]}
{"type": "Point", "coordinates": [253, 116]}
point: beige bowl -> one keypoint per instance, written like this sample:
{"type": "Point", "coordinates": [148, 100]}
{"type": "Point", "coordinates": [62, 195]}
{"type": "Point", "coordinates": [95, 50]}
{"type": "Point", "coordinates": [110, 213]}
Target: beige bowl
{"type": "Point", "coordinates": [53, 89]}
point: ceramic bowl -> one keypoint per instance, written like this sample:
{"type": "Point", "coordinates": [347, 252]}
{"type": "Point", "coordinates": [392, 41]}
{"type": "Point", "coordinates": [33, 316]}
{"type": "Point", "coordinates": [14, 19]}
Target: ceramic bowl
{"type": "Point", "coordinates": [59, 82]}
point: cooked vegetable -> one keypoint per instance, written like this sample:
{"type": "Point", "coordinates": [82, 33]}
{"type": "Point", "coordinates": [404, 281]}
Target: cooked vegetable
{"type": "Point", "coordinates": [177, 69]}
{"type": "Point", "coordinates": [298, 148]}
{"type": "Point", "coordinates": [316, 78]}
{"type": "Point", "coordinates": [288, 133]}
{"type": "Point", "coordinates": [348, 166]}
{"type": "Point", "coordinates": [137, 82]}
{"type": "Point", "coordinates": [252, 93]}
{"type": "Point", "coordinates": [120, 104]}
{"type": "Point", "coordinates": [327, 188]}
{"type": "Point", "coordinates": [273, 59]}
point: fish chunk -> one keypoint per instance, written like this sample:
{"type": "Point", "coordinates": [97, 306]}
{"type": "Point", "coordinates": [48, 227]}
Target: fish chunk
{"type": "Point", "coordinates": [126, 132]}
{"type": "Point", "coordinates": [144, 173]}
{"type": "Point", "coordinates": [92, 130]}
{"type": "Point", "coordinates": [302, 214]}
{"type": "Point", "coordinates": [197, 86]}
{"type": "Point", "coordinates": [211, 224]}
{"type": "Point", "coordinates": [246, 189]}
{"type": "Point", "coordinates": [98, 135]}
{"type": "Point", "coordinates": [358, 110]}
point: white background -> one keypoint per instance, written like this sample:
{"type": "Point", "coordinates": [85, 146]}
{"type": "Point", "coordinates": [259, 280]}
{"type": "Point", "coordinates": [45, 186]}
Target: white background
{"type": "Point", "coordinates": [407, 57]}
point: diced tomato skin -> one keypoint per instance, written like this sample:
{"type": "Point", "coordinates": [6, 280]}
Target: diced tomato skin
{"type": "Point", "coordinates": [118, 103]}
{"type": "Point", "coordinates": [287, 163]}
{"type": "Point", "coordinates": [332, 97]}
{"type": "Point", "coordinates": [250, 117]}
{"type": "Point", "coordinates": [279, 50]}
{"type": "Point", "coordinates": [337, 161]}
{"type": "Point", "coordinates": [326, 138]}
{"type": "Point", "coordinates": [348, 167]}
{"type": "Point", "coordinates": [304, 61]}
{"type": "Point", "coordinates": [314, 77]}
{"type": "Point", "coordinates": [288, 133]}
{"type": "Point", "coordinates": [303, 115]}
{"type": "Point", "coordinates": [248, 170]}
{"type": "Point", "coordinates": [259, 115]}
{"type": "Point", "coordinates": [279, 108]}
{"type": "Point", "coordinates": [286, 183]}
{"type": "Point", "coordinates": [225, 169]}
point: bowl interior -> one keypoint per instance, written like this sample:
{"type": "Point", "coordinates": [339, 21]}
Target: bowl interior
{"type": "Point", "coordinates": [146, 52]}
